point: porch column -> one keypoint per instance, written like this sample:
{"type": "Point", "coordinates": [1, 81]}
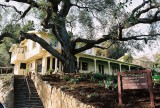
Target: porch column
{"type": "Point", "coordinates": [51, 62]}
{"type": "Point", "coordinates": [56, 60]}
{"type": "Point", "coordinates": [78, 64]}
{"type": "Point", "coordinates": [109, 68]}
{"type": "Point", "coordinates": [59, 66]}
{"type": "Point", "coordinates": [129, 68]}
{"type": "Point", "coordinates": [44, 64]}
{"type": "Point", "coordinates": [95, 65]}
{"type": "Point", "coordinates": [120, 67]}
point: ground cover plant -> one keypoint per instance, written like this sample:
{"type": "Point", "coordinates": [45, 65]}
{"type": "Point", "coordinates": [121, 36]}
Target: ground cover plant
{"type": "Point", "coordinates": [100, 90]}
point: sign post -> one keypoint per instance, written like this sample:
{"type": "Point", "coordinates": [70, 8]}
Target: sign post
{"type": "Point", "coordinates": [134, 80]}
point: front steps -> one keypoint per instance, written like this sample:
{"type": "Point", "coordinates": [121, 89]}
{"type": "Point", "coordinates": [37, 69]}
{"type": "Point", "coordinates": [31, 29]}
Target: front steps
{"type": "Point", "coordinates": [21, 96]}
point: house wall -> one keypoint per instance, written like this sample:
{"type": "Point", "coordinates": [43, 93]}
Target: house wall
{"type": "Point", "coordinates": [91, 67]}
{"type": "Point", "coordinates": [33, 53]}
{"type": "Point", "coordinates": [17, 70]}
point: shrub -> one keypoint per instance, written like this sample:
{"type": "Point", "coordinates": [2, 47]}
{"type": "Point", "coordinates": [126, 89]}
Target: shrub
{"type": "Point", "coordinates": [93, 95]}
{"type": "Point", "coordinates": [111, 82]}
{"type": "Point", "coordinates": [66, 78]}
{"type": "Point", "coordinates": [154, 73]}
{"type": "Point", "coordinates": [92, 79]}
{"type": "Point", "coordinates": [99, 76]}
{"type": "Point", "coordinates": [74, 80]}
{"type": "Point", "coordinates": [100, 83]}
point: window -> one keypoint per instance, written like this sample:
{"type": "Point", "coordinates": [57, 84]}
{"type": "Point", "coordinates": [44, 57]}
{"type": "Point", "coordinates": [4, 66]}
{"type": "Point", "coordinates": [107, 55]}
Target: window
{"type": "Point", "coordinates": [48, 63]}
{"type": "Point", "coordinates": [101, 68]}
{"type": "Point", "coordinates": [23, 66]}
{"type": "Point", "coordinates": [115, 69]}
{"type": "Point", "coordinates": [54, 43]}
{"type": "Point", "coordinates": [39, 65]}
{"type": "Point", "coordinates": [84, 66]}
{"type": "Point", "coordinates": [53, 63]}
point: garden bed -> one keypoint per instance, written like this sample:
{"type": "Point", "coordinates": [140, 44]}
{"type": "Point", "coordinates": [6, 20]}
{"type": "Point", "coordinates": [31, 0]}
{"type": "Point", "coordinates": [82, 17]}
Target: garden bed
{"type": "Point", "coordinates": [95, 90]}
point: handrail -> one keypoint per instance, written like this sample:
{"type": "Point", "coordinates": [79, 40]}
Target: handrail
{"type": "Point", "coordinates": [28, 87]}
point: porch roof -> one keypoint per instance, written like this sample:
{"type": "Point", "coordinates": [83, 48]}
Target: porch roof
{"type": "Point", "coordinates": [105, 59]}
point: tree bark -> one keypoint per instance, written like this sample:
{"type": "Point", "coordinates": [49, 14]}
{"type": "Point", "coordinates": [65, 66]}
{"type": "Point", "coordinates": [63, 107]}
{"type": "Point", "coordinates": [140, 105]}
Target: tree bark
{"type": "Point", "coordinates": [69, 65]}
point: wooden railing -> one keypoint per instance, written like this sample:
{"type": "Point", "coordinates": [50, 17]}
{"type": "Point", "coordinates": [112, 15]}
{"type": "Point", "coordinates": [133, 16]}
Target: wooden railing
{"type": "Point", "coordinates": [29, 90]}
{"type": "Point", "coordinates": [6, 69]}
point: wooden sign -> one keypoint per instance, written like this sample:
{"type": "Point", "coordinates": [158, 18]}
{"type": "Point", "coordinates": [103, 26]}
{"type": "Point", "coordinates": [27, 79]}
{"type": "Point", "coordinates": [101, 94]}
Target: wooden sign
{"type": "Point", "coordinates": [135, 80]}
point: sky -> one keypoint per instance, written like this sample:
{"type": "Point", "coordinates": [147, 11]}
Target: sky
{"type": "Point", "coordinates": [147, 50]}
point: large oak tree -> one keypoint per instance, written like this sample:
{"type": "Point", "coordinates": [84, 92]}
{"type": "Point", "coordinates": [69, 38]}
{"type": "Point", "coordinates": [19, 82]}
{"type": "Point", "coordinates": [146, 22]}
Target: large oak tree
{"type": "Point", "coordinates": [61, 15]}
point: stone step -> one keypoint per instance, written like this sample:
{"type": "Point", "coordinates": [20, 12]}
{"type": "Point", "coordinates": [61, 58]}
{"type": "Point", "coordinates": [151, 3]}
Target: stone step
{"type": "Point", "coordinates": [22, 97]}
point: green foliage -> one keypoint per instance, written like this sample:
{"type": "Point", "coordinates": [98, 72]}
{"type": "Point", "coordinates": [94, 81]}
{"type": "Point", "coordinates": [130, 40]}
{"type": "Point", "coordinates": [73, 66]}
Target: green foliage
{"type": "Point", "coordinates": [115, 51]}
{"type": "Point", "coordinates": [111, 82]}
{"type": "Point", "coordinates": [28, 26]}
{"type": "Point", "coordinates": [155, 73]}
{"type": "Point", "coordinates": [4, 56]}
{"type": "Point", "coordinates": [50, 71]}
{"type": "Point", "coordinates": [128, 58]}
{"type": "Point", "coordinates": [93, 95]}
{"type": "Point", "coordinates": [100, 83]}
{"type": "Point", "coordinates": [92, 79]}
{"type": "Point", "coordinates": [99, 76]}
{"type": "Point", "coordinates": [66, 78]}
{"type": "Point", "coordinates": [74, 80]}
{"type": "Point", "coordinates": [157, 60]}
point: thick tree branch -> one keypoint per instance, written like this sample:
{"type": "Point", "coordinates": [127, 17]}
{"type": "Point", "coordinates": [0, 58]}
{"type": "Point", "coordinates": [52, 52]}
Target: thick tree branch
{"type": "Point", "coordinates": [30, 2]}
{"type": "Point", "coordinates": [146, 10]}
{"type": "Point", "coordinates": [47, 18]}
{"type": "Point", "coordinates": [148, 20]}
{"type": "Point", "coordinates": [89, 43]}
{"type": "Point", "coordinates": [80, 7]}
{"type": "Point", "coordinates": [10, 6]}
{"type": "Point", "coordinates": [66, 5]}
{"type": "Point", "coordinates": [3, 35]}
{"type": "Point", "coordinates": [25, 12]}
{"type": "Point", "coordinates": [105, 48]}
{"type": "Point", "coordinates": [44, 44]}
{"type": "Point", "coordinates": [139, 7]}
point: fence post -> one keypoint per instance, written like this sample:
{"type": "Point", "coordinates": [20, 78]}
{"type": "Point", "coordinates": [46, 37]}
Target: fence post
{"type": "Point", "coordinates": [151, 89]}
{"type": "Point", "coordinates": [119, 89]}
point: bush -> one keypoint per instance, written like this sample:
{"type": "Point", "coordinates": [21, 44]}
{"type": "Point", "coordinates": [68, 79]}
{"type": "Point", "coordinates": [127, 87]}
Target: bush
{"type": "Point", "coordinates": [154, 73]}
{"type": "Point", "coordinates": [93, 95]}
{"type": "Point", "coordinates": [92, 79]}
{"type": "Point", "coordinates": [99, 76]}
{"type": "Point", "coordinates": [66, 78]}
{"type": "Point", "coordinates": [74, 80]}
{"type": "Point", "coordinates": [100, 83]}
{"type": "Point", "coordinates": [111, 82]}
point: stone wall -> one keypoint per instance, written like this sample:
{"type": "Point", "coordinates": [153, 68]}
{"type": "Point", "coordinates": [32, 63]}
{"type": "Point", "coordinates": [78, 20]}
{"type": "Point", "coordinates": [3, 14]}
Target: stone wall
{"type": "Point", "coordinates": [55, 98]}
{"type": "Point", "coordinates": [7, 92]}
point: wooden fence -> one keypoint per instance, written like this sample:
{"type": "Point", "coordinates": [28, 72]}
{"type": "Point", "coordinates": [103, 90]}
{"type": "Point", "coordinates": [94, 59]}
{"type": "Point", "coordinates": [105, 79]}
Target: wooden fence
{"type": "Point", "coordinates": [6, 70]}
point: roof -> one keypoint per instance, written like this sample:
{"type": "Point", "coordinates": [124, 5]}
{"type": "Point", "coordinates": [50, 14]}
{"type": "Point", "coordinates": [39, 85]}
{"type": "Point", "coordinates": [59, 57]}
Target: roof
{"type": "Point", "coordinates": [13, 46]}
{"type": "Point", "coordinates": [107, 59]}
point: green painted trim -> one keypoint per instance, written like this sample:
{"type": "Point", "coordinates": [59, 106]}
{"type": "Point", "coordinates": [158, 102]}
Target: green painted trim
{"type": "Point", "coordinates": [105, 59]}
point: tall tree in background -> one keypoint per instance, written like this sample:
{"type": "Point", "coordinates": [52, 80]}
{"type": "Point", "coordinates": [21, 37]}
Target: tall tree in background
{"type": "Point", "coordinates": [111, 50]}
{"type": "Point", "coordinates": [7, 42]}
{"type": "Point", "coordinates": [89, 17]}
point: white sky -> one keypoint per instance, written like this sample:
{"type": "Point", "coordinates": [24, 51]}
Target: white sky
{"type": "Point", "coordinates": [147, 51]}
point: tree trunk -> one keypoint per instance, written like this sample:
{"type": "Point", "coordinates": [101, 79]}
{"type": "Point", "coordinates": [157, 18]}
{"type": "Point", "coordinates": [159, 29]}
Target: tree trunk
{"type": "Point", "coordinates": [69, 65]}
